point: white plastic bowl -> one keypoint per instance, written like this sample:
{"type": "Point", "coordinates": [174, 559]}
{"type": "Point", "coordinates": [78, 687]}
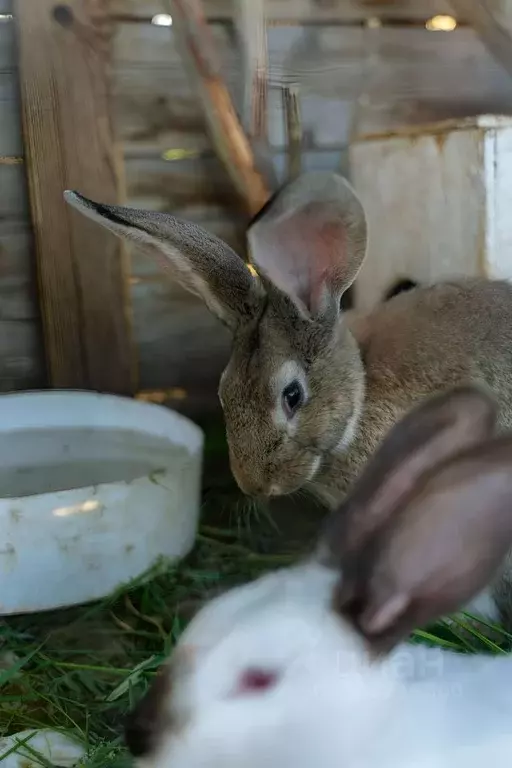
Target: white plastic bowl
{"type": "Point", "coordinates": [94, 490]}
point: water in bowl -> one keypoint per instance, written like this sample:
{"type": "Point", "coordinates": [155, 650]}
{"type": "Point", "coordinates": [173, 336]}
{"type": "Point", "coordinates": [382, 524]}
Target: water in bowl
{"type": "Point", "coordinates": [45, 461]}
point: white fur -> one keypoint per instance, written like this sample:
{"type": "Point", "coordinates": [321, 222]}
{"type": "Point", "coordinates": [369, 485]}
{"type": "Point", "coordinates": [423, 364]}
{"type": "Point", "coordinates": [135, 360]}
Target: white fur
{"type": "Point", "coordinates": [350, 430]}
{"type": "Point", "coordinates": [315, 466]}
{"type": "Point", "coordinates": [333, 707]}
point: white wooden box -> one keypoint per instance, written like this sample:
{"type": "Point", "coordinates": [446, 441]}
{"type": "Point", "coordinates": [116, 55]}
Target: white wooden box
{"type": "Point", "coordinates": [439, 203]}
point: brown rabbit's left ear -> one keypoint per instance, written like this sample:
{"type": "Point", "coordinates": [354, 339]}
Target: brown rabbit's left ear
{"type": "Point", "coordinates": [443, 548]}
{"type": "Point", "coordinates": [310, 241]}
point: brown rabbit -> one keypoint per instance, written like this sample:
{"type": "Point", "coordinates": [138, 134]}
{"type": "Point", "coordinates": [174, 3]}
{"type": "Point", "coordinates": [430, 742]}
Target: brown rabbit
{"type": "Point", "coordinates": [309, 391]}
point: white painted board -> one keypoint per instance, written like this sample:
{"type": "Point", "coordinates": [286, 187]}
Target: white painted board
{"type": "Point", "coordinates": [438, 201]}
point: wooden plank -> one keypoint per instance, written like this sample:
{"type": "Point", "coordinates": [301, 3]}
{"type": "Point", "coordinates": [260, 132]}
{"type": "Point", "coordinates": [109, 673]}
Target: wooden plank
{"type": "Point", "coordinates": [414, 76]}
{"type": "Point", "coordinates": [169, 111]}
{"type": "Point", "coordinates": [406, 191]}
{"type": "Point", "coordinates": [13, 192]}
{"type": "Point", "coordinates": [492, 20]}
{"type": "Point", "coordinates": [181, 187]}
{"type": "Point", "coordinates": [383, 64]}
{"type": "Point", "coordinates": [341, 10]}
{"type": "Point", "coordinates": [437, 200]}
{"type": "Point", "coordinates": [18, 291]}
{"type": "Point", "coordinates": [7, 44]}
{"type": "Point", "coordinates": [332, 59]}
{"type": "Point", "coordinates": [69, 144]}
{"type": "Point", "coordinates": [21, 355]}
{"type": "Point", "coordinates": [202, 63]}
{"type": "Point", "coordinates": [21, 349]}
{"type": "Point", "coordinates": [497, 157]}
{"type": "Point", "coordinates": [179, 343]}
{"type": "Point", "coordinates": [11, 143]}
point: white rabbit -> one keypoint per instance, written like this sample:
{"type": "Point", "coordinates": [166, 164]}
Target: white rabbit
{"type": "Point", "coordinates": [308, 667]}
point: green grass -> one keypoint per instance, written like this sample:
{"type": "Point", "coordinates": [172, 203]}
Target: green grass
{"type": "Point", "coordinates": [81, 670]}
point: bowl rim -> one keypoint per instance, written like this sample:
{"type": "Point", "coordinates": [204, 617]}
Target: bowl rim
{"type": "Point", "coordinates": [47, 409]}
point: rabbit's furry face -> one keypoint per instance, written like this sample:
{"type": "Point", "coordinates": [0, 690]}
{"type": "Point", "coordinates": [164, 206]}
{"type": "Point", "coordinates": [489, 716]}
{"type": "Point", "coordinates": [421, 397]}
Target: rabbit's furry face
{"type": "Point", "coordinates": [272, 450]}
{"type": "Point", "coordinates": [294, 385]}
{"type": "Point", "coordinates": [234, 692]}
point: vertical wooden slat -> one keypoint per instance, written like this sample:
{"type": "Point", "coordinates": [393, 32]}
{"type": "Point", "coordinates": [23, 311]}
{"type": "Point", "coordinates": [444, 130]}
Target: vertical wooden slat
{"type": "Point", "coordinates": [63, 52]}
{"type": "Point", "coordinates": [291, 110]}
{"type": "Point", "coordinates": [231, 143]}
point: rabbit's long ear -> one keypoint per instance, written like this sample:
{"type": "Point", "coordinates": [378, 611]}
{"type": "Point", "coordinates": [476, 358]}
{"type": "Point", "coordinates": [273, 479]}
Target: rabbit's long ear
{"type": "Point", "coordinates": [430, 433]}
{"type": "Point", "coordinates": [199, 261]}
{"type": "Point", "coordinates": [441, 551]}
{"type": "Point", "coordinates": [310, 241]}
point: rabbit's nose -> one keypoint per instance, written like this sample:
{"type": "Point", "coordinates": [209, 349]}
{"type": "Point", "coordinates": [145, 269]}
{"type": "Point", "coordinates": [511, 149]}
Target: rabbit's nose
{"type": "Point", "coordinates": [144, 724]}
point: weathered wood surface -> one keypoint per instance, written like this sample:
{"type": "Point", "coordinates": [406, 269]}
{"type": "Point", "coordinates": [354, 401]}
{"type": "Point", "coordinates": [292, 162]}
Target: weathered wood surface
{"type": "Point", "coordinates": [69, 144]}
{"type": "Point", "coordinates": [492, 21]}
{"type": "Point", "coordinates": [367, 80]}
{"type": "Point", "coordinates": [10, 134]}
{"type": "Point", "coordinates": [285, 10]}
{"type": "Point", "coordinates": [350, 79]}
{"type": "Point", "coordinates": [154, 100]}
{"type": "Point", "coordinates": [18, 292]}
{"type": "Point", "coordinates": [400, 76]}
{"type": "Point", "coordinates": [197, 187]}
{"type": "Point", "coordinates": [437, 200]}
{"type": "Point", "coordinates": [11, 142]}
{"type": "Point", "coordinates": [21, 352]}
{"type": "Point", "coordinates": [201, 60]}
{"type": "Point", "coordinates": [179, 343]}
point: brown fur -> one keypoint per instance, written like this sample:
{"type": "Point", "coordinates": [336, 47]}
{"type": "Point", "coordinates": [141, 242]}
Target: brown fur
{"type": "Point", "coordinates": [421, 343]}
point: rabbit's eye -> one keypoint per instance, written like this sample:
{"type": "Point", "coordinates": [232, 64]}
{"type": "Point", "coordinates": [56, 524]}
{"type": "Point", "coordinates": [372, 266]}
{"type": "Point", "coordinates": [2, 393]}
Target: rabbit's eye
{"type": "Point", "coordinates": [256, 680]}
{"type": "Point", "coordinates": [293, 397]}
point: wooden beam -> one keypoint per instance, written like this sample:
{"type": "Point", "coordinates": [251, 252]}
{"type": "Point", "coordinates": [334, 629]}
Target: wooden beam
{"type": "Point", "coordinates": [252, 38]}
{"type": "Point", "coordinates": [293, 121]}
{"type": "Point", "coordinates": [277, 11]}
{"type": "Point", "coordinates": [492, 21]}
{"type": "Point", "coordinates": [202, 62]}
{"type": "Point", "coordinates": [69, 144]}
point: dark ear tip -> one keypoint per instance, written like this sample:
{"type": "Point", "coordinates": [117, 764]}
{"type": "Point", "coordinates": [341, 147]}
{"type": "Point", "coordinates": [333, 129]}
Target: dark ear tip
{"type": "Point", "coordinates": [74, 198]}
{"type": "Point", "coordinates": [85, 204]}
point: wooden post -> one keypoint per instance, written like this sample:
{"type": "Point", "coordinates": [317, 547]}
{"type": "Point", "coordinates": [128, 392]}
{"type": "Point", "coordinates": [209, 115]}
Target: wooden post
{"type": "Point", "coordinates": [293, 121]}
{"type": "Point", "coordinates": [231, 142]}
{"type": "Point", "coordinates": [69, 144]}
{"type": "Point", "coordinates": [252, 33]}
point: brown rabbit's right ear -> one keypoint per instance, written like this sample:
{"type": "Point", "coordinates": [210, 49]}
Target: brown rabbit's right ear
{"type": "Point", "coordinates": [199, 261]}
{"type": "Point", "coordinates": [430, 433]}
{"type": "Point", "coordinates": [310, 241]}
